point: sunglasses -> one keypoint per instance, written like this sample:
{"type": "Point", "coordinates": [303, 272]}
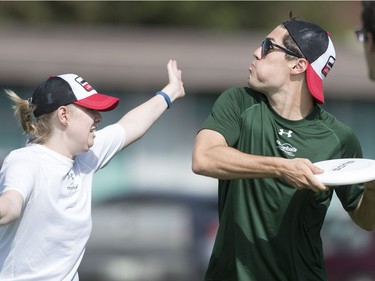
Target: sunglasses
{"type": "Point", "coordinates": [267, 45]}
{"type": "Point", "coordinates": [361, 35]}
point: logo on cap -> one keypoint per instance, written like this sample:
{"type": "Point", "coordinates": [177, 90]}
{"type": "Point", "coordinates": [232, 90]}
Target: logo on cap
{"type": "Point", "coordinates": [328, 66]}
{"type": "Point", "coordinates": [84, 84]}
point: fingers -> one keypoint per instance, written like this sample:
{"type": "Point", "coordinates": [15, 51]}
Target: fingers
{"type": "Point", "coordinates": [301, 174]}
{"type": "Point", "coordinates": [316, 170]}
{"type": "Point", "coordinates": [173, 71]}
{"type": "Point", "coordinates": [316, 185]}
{"type": "Point", "coordinates": [174, 88]}
{"type": "Point", "coordinates": [309, 181]}
{"type": "Point", "coordinates": [170, 69]}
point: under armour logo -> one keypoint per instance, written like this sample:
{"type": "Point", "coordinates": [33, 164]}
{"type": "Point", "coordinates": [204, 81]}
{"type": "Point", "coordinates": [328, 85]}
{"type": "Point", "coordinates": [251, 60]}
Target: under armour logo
{"type": "Point", "coordinates": [288, 133]}
{"type": "Point", "coordinates": [71, 184]}
{"type": "Point", "coordinates": [70, 175]}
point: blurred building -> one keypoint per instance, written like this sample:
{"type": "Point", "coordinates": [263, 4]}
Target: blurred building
{"type": "Point", "coordinates": [131, 63]}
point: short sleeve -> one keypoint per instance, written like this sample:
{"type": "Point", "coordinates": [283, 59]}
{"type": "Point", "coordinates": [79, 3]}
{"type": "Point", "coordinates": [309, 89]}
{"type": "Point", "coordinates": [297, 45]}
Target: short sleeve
{"type": "Point", "coordinates": [17, 173]}
{"type": "Point", "coordinates": [350, 195]}
{"type": "Point", "coordinates": [225, 117]}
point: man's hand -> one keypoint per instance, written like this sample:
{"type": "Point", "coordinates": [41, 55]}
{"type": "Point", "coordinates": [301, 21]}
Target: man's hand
{"type": "Point", "coordinates": [299, 173]}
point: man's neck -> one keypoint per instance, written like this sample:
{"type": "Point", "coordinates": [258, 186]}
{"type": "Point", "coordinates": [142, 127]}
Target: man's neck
{"type": "Point", "coordinates": [292, 107]}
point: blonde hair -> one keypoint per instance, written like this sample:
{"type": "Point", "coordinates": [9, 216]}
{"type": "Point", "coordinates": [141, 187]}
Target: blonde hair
{"type": "Point", "coordinates": [37, 128]}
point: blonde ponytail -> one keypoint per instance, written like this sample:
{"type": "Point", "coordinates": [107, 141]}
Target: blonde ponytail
{"type": "Point", "coordinates": [23, 110]}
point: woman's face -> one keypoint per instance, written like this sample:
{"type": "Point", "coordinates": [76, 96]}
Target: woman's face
{"type": "Point", "coordinates": [83, 123]}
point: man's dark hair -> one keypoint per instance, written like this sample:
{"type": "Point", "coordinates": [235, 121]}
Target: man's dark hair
{"type": "Point", "coordinates": [368, 17]}
{"type": "Point", "coordinates": [289, 43]}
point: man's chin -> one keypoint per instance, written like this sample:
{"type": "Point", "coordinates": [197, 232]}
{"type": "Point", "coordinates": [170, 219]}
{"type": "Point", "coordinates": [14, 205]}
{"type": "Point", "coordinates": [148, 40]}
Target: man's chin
{"type": "Point", "coordinates": [251, 85]}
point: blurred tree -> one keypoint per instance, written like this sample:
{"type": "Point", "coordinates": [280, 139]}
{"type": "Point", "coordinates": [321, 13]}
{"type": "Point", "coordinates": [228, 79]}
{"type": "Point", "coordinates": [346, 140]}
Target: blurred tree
{"type": "Point", "coordinates": [221, 15]}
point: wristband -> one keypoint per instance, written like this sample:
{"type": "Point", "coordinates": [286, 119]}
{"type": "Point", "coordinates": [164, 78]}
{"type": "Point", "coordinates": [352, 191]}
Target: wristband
{"type": "Point", "coordinates": [166, 97]}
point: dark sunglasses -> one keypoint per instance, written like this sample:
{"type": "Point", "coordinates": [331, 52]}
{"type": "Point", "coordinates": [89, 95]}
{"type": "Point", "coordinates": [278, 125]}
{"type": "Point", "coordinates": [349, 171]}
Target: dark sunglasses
{"type": "Point", "coordinates": [361, 35]}
{"type": "Point", "coordinates": [267, 45]}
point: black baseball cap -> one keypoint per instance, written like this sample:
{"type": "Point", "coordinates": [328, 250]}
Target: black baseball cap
{"type": "Point", "coordinates": [65, 89]}
{"type": "Point", "coordinates": [317, 47]}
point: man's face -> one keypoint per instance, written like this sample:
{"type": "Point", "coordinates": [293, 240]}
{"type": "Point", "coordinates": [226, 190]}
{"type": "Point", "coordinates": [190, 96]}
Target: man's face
{"type": "Point", "coordinates": [369, 47]}
{"type": "Point", "coordinates": [268, 73]}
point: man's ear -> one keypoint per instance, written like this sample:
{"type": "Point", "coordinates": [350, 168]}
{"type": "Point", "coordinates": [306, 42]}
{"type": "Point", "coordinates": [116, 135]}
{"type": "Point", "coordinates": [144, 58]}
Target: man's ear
{"type": "Point", "coordinates": [370, 41]}
{"type": "Point", "coordinates": [299, 65]}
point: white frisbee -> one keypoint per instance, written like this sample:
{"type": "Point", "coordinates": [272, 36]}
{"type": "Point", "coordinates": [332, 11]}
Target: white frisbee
{"type": "Point", "coordinates": [346, 171]}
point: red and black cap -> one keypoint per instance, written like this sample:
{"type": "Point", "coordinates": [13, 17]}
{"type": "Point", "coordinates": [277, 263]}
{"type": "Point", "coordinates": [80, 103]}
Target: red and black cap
{"type": "Point", "coordinates": [65, 89]}
{"type": "Point", "coordinates": [317, 47]}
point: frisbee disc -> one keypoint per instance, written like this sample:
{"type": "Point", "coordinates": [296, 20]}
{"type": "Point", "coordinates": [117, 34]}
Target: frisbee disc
{"type": "Point", "coordinates": [346, 171]}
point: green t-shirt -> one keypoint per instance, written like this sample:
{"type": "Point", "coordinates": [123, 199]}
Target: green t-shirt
{"type": "Point", "coordinates": [268, 230]}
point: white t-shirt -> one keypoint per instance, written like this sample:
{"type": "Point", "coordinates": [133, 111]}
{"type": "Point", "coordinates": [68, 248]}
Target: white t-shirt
{"type": "Point", "coordinates": [48, 241]}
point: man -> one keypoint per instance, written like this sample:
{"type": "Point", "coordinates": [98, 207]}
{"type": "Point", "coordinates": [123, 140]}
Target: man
{"type": "Point", "coordinates": [260, 142]}
{"type": "Point", "coordinates": [366, 35]}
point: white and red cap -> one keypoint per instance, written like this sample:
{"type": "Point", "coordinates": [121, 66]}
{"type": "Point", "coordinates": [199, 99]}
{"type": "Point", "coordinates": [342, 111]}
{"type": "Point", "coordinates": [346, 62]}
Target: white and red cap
{"type": "Point", "coordinates": [318, 49]}
{"type": "Point", "coordinates": [65, 89]}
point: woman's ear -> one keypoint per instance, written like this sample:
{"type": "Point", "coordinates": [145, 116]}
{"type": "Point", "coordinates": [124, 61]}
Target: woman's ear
{"type": "Point", "coordinates": [63, 115]}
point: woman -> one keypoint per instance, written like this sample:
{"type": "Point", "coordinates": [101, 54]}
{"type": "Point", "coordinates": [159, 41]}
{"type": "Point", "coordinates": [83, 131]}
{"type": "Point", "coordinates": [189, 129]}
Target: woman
{"type": "Point", "coordinates": [45, 187]}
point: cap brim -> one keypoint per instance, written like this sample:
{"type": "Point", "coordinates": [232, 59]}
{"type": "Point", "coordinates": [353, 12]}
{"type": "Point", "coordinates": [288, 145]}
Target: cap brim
{"type": "Point", "coordinates": [99, 102]}
{"type": "Point", "coordinates": [315, 84]}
